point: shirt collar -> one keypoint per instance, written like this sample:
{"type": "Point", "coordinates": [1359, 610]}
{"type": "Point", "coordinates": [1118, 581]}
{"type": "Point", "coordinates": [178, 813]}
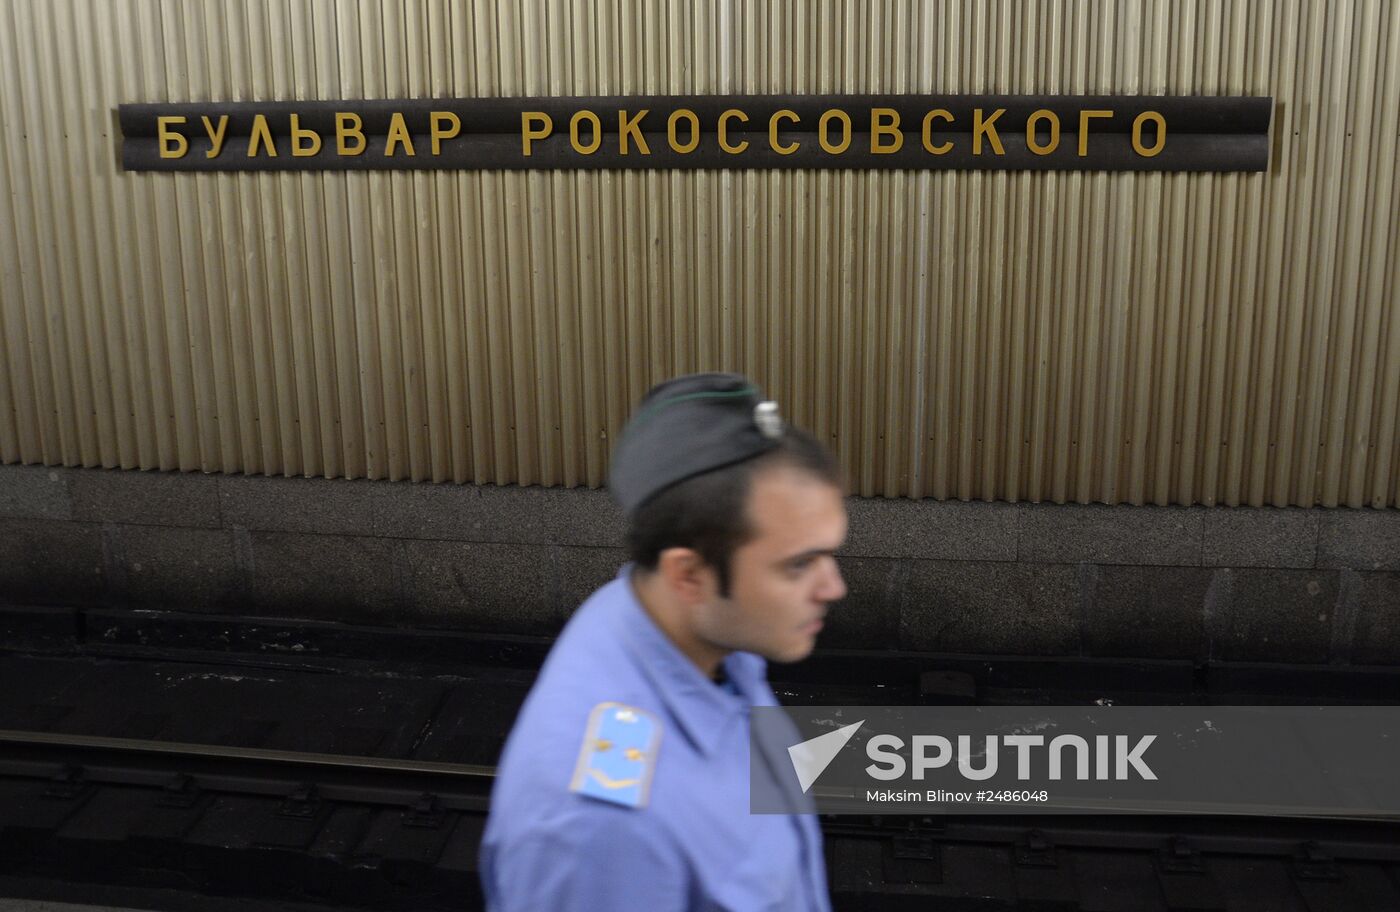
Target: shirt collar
{"type": "Point", "coordinates": [700, 707]}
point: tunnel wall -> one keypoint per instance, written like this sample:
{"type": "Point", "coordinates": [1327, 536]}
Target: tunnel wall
{"type": "Point", "coordinates": [1144, 338]}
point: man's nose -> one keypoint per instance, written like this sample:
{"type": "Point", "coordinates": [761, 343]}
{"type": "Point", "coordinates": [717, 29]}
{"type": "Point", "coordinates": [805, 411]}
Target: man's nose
{"type": "Point", "coordinates": [833, 586]}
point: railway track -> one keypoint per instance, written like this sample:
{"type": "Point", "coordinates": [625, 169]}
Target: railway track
{"type": "Point", "coordinates": [284, 835]}
{"type": "Point", "coordinates": [330, 781]}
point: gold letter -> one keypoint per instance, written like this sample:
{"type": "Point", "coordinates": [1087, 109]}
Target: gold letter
{"type": "Point", "coordinates": [1084, 129]}
{"type": "Point", "coordinates": [261, 135]}
{"type": "Point", "coordinates": [890, 128]}
{"type": "Point", "coordinates": [298, 134]}
{"type": "Point", "coordinates": [182, 145]}
{"type": "Point", "coordinates": [626, 128]}
{"type": "Point", "coordinates": [694, 130]}
{"type": "Point", "coordinates": [216, 137]}
{"type": "Point", "coordinates": [346, 126]}
{"type": "Point", "coordinates": [1031, 141]}
{"type": "Point", "coordinates": [597, 132]}
{"type": "Point", "coordinates": [527, 133]}
{"type": "Point", "coordinates": [436, 121]}
{"type": "Point", "coordinates": [941, 148]}
{"type": "Point", "coordinates": [398, 133]}
{"type": "Point", "coordinates": [724, 131]}
{"type": "Point", "coordinates": [988, 126]}
{"type": "Point", "coordinates": [773, 132]}
{"type": "Point", "coordinates": [1161, 133]}
{"type": "Point", "coordinates": [822, 128]}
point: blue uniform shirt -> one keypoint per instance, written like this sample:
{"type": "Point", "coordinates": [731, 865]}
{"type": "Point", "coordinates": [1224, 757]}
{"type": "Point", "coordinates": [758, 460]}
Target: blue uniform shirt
{"type": "Point", "coordinates": [677, 837]}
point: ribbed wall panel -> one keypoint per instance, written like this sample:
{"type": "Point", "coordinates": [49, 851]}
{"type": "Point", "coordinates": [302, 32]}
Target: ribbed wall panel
{"type": "Point", "coordinates": [1162, 338]}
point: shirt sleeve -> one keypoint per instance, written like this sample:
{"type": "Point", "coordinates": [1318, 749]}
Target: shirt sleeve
{"type": "Point", "coordinates": [597, 856]}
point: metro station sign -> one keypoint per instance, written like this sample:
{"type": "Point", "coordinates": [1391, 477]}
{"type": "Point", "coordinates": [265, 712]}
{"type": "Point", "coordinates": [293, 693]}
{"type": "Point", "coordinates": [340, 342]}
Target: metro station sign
{"type": "Point", "coordinates": [941, 132]}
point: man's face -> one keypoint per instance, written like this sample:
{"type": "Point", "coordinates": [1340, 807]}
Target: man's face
{"type": "Point", "coordinates": [783, 578]}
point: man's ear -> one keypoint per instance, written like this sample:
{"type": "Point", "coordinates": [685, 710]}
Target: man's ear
{"type": "Point", "coordinates": [687, 575]}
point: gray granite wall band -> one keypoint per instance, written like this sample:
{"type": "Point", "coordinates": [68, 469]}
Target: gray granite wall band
{"type": "Point", "coordinates": [34, 492]}
{"type": "Point", "coordinates": [52, 561]}
{"type": "Point", "coordinates": [182, 499]}
{"type": "Point", "coordinates": [1094, 533]}
{"type": "Point", "coordinates": [1241, 584]}
{"type": "Point", "coordinates": [1359, 540]}
{"type": "Point", "coordinates": [1260, 538]}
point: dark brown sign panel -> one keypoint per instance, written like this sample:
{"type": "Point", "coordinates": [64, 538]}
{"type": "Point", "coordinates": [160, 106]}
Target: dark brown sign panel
{"type": "Point", "coordinates": [958, 132]}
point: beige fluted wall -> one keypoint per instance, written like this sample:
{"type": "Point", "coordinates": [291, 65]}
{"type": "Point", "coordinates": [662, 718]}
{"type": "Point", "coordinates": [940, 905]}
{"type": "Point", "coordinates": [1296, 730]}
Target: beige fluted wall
{"type": "Point", "coordinates": [1161, 338]}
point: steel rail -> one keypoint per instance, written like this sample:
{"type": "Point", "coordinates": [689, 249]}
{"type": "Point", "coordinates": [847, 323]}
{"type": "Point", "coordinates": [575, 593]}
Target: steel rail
{"type": "Point", "coordinates": [81, 759]}
{"type": "Point", "coordinates": [305, 758]}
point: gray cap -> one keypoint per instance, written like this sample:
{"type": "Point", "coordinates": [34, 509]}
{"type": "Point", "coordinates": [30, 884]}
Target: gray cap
{"type": "Point", "coordinates": [688, 426]}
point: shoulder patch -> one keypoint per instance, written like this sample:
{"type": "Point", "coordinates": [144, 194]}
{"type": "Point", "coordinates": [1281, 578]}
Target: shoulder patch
{"type": "Point", "coordinates": [618, 755]}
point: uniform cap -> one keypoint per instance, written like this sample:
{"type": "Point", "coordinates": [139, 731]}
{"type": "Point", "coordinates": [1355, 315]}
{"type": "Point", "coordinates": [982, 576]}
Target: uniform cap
{"type": "Point", "coordinates": [687, 426]}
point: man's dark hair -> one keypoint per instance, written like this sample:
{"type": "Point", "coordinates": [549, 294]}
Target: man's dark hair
{"type": "Point", "coordinates": [709, 514]}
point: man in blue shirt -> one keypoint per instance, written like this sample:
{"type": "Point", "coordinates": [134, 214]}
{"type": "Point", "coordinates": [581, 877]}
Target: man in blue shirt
{"type": "Point", "coordinates": [625, 782]}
